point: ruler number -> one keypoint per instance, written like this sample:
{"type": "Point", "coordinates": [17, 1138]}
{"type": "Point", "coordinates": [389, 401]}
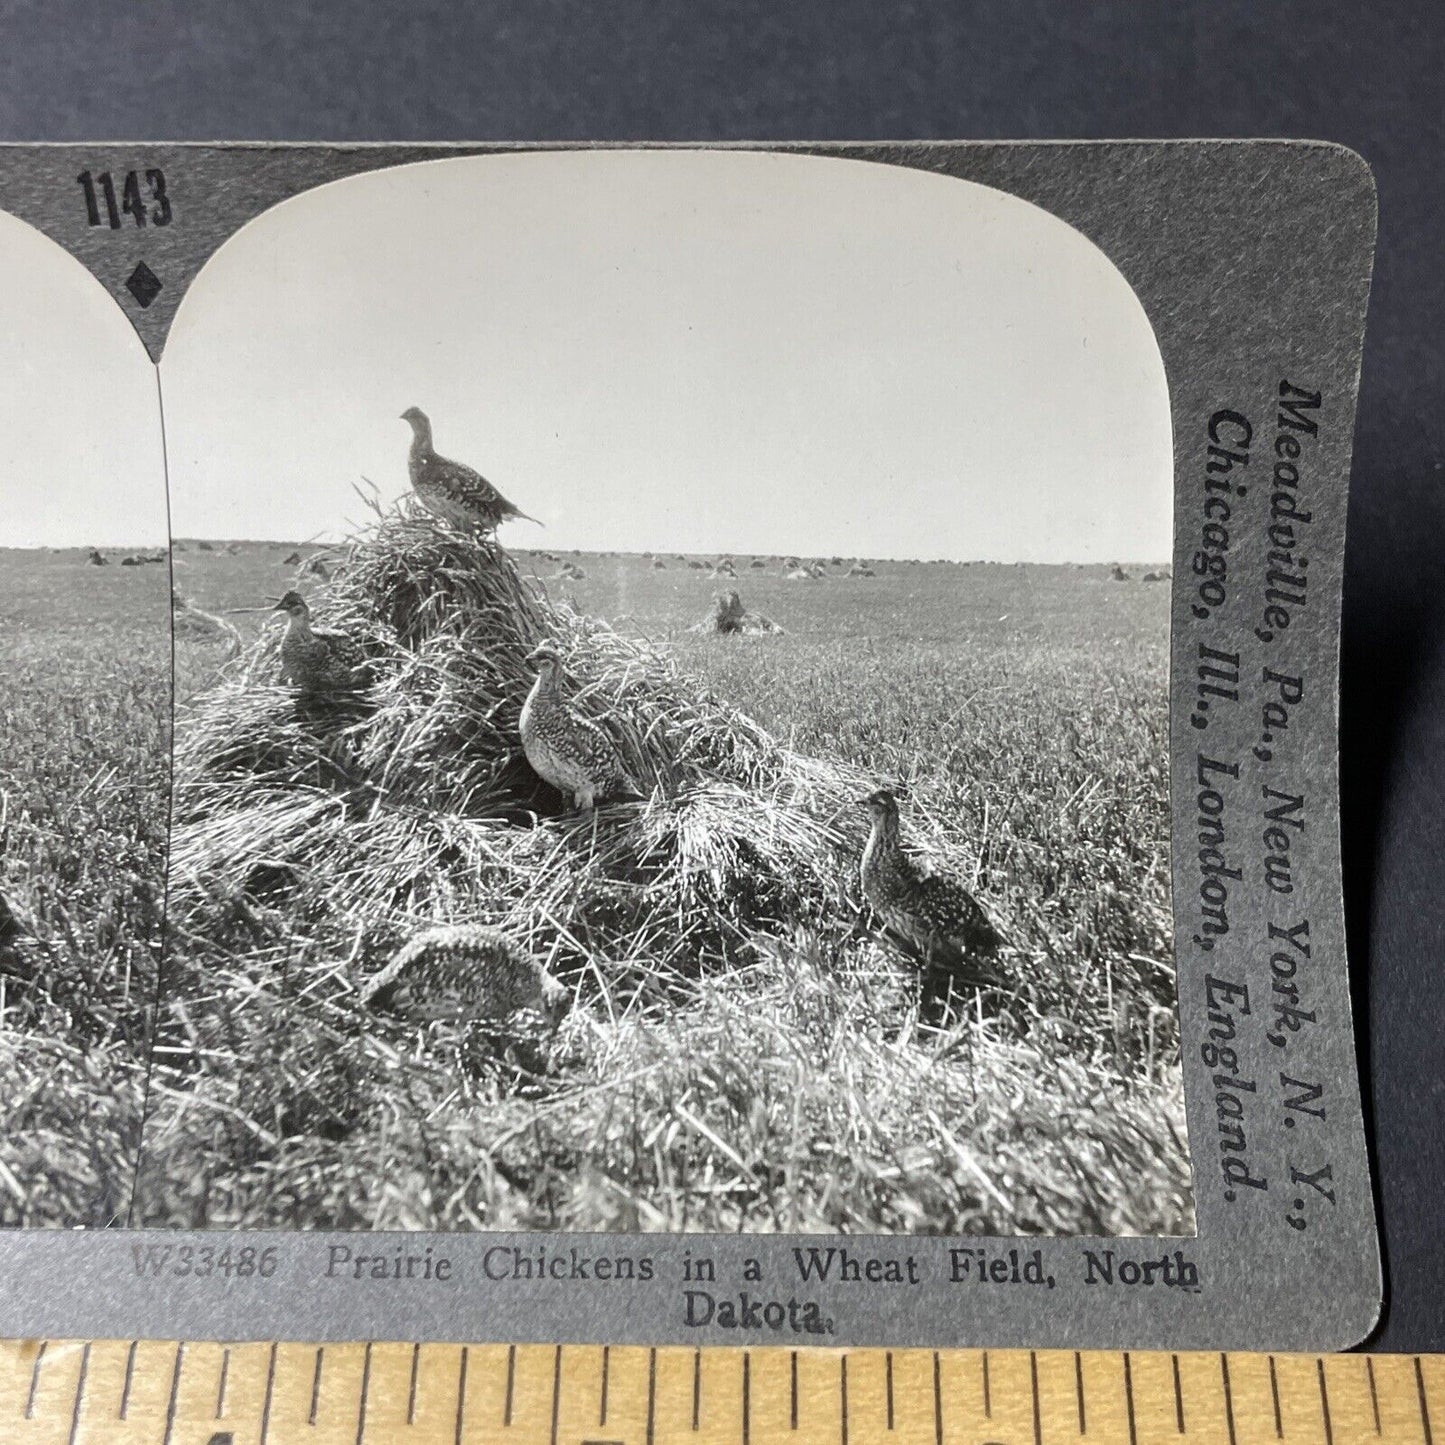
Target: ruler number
{"type": "Point", "coordinates": [142, 197]}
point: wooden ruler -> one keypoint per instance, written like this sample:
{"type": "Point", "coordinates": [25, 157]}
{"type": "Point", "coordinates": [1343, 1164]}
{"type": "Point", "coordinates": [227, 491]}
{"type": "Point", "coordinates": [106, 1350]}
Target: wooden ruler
{"type": "Point", "coordinates": [117, 1392]}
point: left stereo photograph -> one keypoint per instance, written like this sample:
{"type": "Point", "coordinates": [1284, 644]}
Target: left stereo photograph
{"type": "Point", "coordinates": [85, 704]}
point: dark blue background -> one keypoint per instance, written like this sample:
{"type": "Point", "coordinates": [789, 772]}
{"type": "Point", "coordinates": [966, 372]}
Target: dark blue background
{"type": "Point", "coordinates": [705, 70]}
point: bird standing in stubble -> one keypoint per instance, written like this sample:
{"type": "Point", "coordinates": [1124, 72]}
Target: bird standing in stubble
{"type": "Point", "coordinates": [566, 748]}
{"type": "Point", "coordinates": [467, 973]}
{"type": "Point", "coordinates": [929, 912]}
{"type": "Point", "coordinates": [451, 490]}
{"type": "Point", "coordinates": [313, 659]}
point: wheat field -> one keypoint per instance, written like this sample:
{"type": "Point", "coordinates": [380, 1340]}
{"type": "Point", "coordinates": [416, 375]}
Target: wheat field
{"type": "Point", "coordinates": [748, 1055]}
{"type": "Point", "coordinates": [85, 706]}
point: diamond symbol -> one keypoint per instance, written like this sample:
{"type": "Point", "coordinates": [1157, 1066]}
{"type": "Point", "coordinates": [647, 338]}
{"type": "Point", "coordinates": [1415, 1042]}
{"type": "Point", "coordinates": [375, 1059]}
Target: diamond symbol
{"type": "Point", "coordinates": [143, 284]}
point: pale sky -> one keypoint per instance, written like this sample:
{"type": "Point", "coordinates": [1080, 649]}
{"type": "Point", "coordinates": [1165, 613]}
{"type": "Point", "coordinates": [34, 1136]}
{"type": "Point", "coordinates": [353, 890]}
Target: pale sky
{"type": "Point", "coordinates": [655, 351]}
{"type": "Point", "coordinates": [80, 437]}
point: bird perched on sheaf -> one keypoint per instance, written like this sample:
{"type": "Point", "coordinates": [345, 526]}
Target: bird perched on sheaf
{"type": "Point", "coordinates": [927, 910]}
{"type": "Point", "coordinates": [466, 973]}
{"type": "Point", "coordinates": [451, 490]}
{"type": "Point", "coordinates": [316, 660]}
{"type": "Point", "coordinates": [566, 748]}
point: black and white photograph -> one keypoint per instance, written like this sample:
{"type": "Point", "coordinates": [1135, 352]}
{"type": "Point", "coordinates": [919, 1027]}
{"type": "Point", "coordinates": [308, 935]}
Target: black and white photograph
{"type": "Point", "coordinates": [681, 739]}
{"type": "Point", "coordinates": [85, 671]}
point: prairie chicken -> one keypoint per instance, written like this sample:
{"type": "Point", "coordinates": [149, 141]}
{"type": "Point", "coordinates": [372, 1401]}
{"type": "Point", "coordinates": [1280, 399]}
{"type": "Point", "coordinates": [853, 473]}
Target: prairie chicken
{"type": "Point", "coordinates": [11, 933]}
{"type": "Point", "coordinates": [567, 749]}
{"type": "Point", "coordinates": [929, 912]}
{"type": "Point", "coordinates": [466, 973]}
{"type": "Point", "coordinates": [451, 490]}
{"type": "Point", "coordinates": [315, 660]}
{"type": "Point", "coordinates": [728, 612]}
{"type": "Point", "coordinates": [729, 616]}
{"type": "Point", "coordinates": [10, 928]}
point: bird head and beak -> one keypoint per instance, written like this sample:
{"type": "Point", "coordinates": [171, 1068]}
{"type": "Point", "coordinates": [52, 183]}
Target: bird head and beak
{"type": "Point", "coordinates": [556, 998]}
{"type": "Point", "coordinates": [882, 803]}
{"type": "Point", "coordinates": [293, 604]}
{"type": "Point", "coordinates": [546, 655]}
{"type": "Point", "coordinates": [416, 418]}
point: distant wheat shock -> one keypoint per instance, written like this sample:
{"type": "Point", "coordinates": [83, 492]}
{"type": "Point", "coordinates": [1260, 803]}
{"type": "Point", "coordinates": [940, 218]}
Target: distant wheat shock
{"type": "Point", "coordinates": [451, 490]}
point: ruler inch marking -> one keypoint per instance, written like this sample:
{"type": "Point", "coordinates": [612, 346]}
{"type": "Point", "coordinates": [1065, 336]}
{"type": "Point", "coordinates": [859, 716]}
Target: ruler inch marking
{"type": "Point", "coordinates": [987, 1394]}
{"type": "Point", "coordinates": [696, 1388]}
{"type": "Point", "coordinates": [556, 1391]}
{"type": "Point", "coordinates": [1129, 1401]}
{"type": "Point", "coordinates": [1079, 1392]}
{"type": "Point", "coordinates": [270, 1391]}
{"type": "Point", "coordinates": [222, 1382]}
{"type": "Point", "coordinates": [174, 1395]}
{"type": "Point", "coordinates": [1178, 1395]}
{"type": "Point", "coordinates": [1424, 1403]}
{"type": "Point", "coordinates": [1374, 1395]}
{"type": "Point", "coordinates": [938, 1395]}
{"type": "Point", "coordinates": [651, 1396]}
{"type": "Point", "coordinates": [1324, 1401]}
{"type": "Point", "coordinates": [1274, 1395]}
{"type": "Point", "coordinates": [80, 1396]}
{"type": "Point", "coordinates": [606, 1371]}
{"type": "Point", "coordinates": [34, 1380]}
{"type": "Point", "coordinates": [461, 1397]}
{"type": "Point", "coordinates": [1034, 1391]}
{"type": "Point", "coordinates": [747, 1397]}
{"type": "Point", "coordinates": [888, 1385]}
{"type": "Point", "coordinates": [315, 1387]}
{"type": "Point", "coordinates": [843, 1395]}
{"type": "Point", "coordinates": [1228, 1397]}
{"type": "Point", "coordinates": [124, 1410]}
{"type": "Point", "coordinates": [411, 1391]}
{"type": "Point", "coordinates": [511, 1380]}
{"type": "Point", "coordinates": [793, 1413]}
{"type": "Point", "coordinates": [365, 1386]}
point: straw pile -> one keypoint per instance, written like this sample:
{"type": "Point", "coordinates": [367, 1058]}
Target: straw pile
{"type": "Point", "coordinates": [414, 804]}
